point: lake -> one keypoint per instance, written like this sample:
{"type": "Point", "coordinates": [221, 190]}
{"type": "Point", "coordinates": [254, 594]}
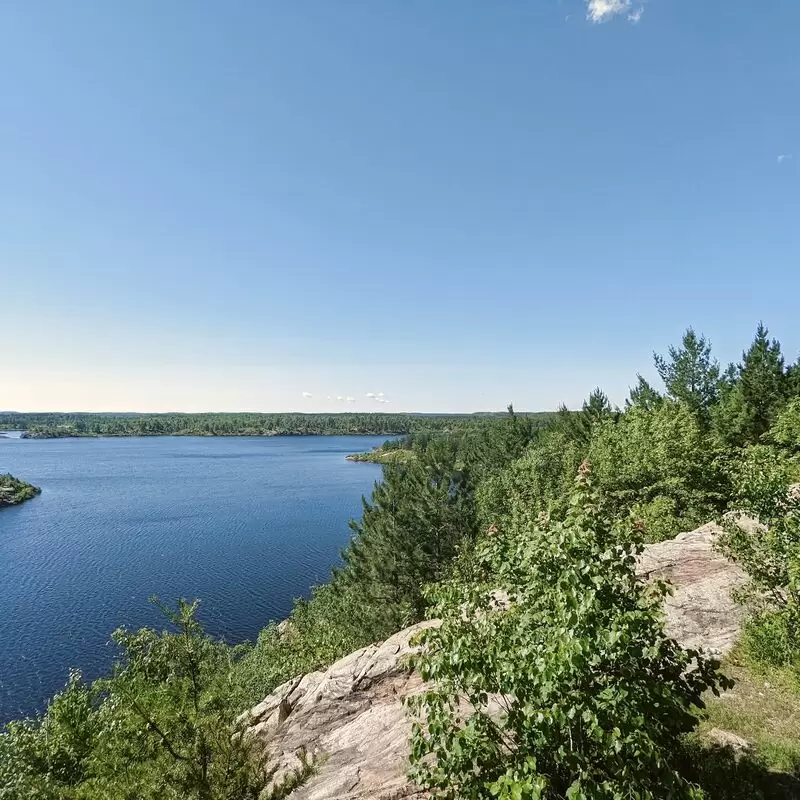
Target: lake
{"type": "Point", "coordinates": [245, 524]}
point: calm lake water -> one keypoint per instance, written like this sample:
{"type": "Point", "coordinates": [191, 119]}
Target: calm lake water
{"type": "Point", "coordinates": [245, 524]}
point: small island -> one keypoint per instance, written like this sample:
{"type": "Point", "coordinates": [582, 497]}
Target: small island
{"type": "Point", "coordinates": [14, 491]}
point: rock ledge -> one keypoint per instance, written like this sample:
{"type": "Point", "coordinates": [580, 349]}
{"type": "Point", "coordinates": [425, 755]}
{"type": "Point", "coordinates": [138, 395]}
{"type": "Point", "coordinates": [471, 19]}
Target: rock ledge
{"type": "Point", "coordinates": [350, 719]}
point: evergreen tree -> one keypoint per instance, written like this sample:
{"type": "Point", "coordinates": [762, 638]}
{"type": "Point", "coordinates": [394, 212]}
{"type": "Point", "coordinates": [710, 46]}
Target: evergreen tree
{"type": "Point", "coordinates": [793, 379]}
{"type": "Point", "coordinates": [760, 390]}
{"type": "Point", "coordinates": [578, 425]}
{"type": "Point", "coordinates": [690, 375]}
{"type": "Point", "coordinates": [408, 535]}
{"type": "Point", "coordinates": [643, 395]}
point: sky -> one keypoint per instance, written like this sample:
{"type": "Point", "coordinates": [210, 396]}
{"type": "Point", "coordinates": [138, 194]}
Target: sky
{"type": "Point", "coordinates": [449, 205]}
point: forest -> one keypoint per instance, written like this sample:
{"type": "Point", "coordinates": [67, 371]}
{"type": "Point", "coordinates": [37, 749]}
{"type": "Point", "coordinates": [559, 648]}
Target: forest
{"type": "Point", "coordinates": [60, 425]}
{"type": "Point", "coordinates": [552, 509]}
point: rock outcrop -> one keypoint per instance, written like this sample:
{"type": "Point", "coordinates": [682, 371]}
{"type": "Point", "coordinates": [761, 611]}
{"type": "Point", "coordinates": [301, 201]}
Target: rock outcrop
{"type": "Point", "coordinates": [350, 719]}
{"type": "Point", "coordinates": [701, 612]}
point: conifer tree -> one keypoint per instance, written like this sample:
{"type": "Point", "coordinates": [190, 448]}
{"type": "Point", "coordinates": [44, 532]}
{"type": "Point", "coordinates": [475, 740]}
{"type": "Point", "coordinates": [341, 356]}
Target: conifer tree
{"type": "Point", "coordinates": [578, 425]}
{"type": "Point", "coordinates": [407, 537]}
{"type": "Point", "coordinates": [643, 395]}
{"type": "Point", "coordinates": [793, 379]}
{"type": "Point", "coordinates": [759, 391]}
{"type": "Point", "coordinates": [690, 375]}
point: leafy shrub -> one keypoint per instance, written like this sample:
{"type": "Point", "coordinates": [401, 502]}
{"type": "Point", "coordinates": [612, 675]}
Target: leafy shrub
{"type": "Point", "coordinates": [574, 691]}
{"type": "Point", "coordinates": [786, 430]}
{"type": "Point", "coordinates": [659, 518]}
{"type": "Point", "coordinates": [659, 454]}
{"type": "Point", "coordinates": [769, 552]}
{"type": "Point", "coordinates": [161, 728]}
{"type": "Point", "coordinates": [46, 758]}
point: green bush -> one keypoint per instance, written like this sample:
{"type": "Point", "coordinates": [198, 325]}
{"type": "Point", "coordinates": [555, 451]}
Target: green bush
{"type": "Point", "coordinates": [574, 691]}
{"type": "Point", "coordinates": [768, 551]}
{"type": "Point", "coordinates": [661, 454]}
{"type": "Point", "coordinates": [47, 758]}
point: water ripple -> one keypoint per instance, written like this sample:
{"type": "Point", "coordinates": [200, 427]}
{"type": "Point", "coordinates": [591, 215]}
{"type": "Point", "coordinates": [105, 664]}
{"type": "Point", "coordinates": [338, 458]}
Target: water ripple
{"type": "Point", "coordinates": [246, 524]}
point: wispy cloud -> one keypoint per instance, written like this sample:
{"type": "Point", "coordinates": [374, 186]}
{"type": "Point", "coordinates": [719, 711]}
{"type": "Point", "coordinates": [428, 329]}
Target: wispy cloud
{"type": "Point", "coordinates": [382, 399]}
{"type": "Point", "coordinates": [604, 10]}
{"type": "Point", "coordinates": [340, 397]}
{"type": "Point", "coordinates": [371, 394]}
{"type": "Point", "coordinates": [350, 399]}
{"type": "Point", "coordinates": [307, 395]}
{"type": "Point", "coordinates": [784, 157]}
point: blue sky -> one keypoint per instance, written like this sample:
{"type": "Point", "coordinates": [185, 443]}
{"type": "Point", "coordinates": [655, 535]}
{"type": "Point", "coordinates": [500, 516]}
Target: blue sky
{"type": "Point", "coordinates": [213, 206]}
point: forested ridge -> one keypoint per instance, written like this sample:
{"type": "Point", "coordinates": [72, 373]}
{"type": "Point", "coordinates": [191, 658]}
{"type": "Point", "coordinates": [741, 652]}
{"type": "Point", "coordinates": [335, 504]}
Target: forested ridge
{"type": "Point", "coordinates": [597, 702]}
{"type": "Point", "coordinates": [63, 425]}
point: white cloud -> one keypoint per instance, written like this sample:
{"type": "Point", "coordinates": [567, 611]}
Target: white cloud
{"type": "Point", "coordinates": [329, 398]}
{"type": "Point", "coordinates": [340, 397]}
{"type": "Point", "coordinates": [380, 394]}
{"type": "Point", "coordinates": [784, 157]}
{"type": "Point", "coordinates": [604, 10]}
{"type": "Point", "coordinates": [350, 399]}
{"type": "Point", "coordinates": [307, 395]}
{"type": "Point", "coordinates": [371, 394]}
{"type": "Point", "coordinates": [381, 399]}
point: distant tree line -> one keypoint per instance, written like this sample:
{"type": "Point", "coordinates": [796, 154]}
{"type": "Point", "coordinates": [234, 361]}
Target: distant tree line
{"type": "Point", "coordinates": [57, 425]}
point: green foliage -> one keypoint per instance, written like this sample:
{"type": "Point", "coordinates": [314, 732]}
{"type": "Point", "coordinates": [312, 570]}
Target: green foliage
{"type": "Point", "coordinates": [690, 375]}
{"type": "Point", "coordinates": [541, 479]}
{"type": "Point", "coordinates": [786, 430]}
{"type": "Point", "coordinates": [578, 426]}
{"type": "Point", "coordinates": [14, 491]}
{"type": "Point", "coordinates": [58, 425]}
{"type": "Point", "coordinates": [769, 551]}
{"type": "Point", "coordinates": [643, 395]}
{"type": "Point", "coordinates": [793, 379]}
{"type": "Point", "coordinates": [661, 518]}
{"type": "Point", "coordinates": [660, 456]}
{"type": "Point", "coordinates": [48, 757]}
{"type": "Point", "coordinates": [160, 728]}
{"type": "Point", "coordinates": [759, 390]}
{"type": "Point", "coordinates": [573, 691]}
{"type": "Point", "coordinates": [318, 632]}
{"type": "Point", "coordinates": [408, 535]}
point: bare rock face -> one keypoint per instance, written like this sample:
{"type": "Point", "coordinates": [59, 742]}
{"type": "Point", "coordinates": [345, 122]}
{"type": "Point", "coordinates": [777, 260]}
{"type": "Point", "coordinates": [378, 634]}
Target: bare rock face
{"type": "Point", "coordinates": [350, 719]}
{"type": "Point", "coordinates": [701, 613]}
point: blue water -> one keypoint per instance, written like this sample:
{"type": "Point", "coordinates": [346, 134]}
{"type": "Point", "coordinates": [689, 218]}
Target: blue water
{"type": "Point", "coordinates": [245, 524]}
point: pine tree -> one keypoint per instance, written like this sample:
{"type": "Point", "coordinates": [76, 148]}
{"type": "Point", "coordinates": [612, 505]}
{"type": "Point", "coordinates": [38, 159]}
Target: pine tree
{"type": "Point", "coordinates": [643, 395]}
{"type": "Point", "coordinates": [578, 425]}
{"type": "Point", "coordinates": [793, 379]}
{"type": "Point", "coordinates": [409, 533]}
{"type": "Point", "coordinates": [759, 391]}
{"type": "Point", "coordinates": [690, 375]}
